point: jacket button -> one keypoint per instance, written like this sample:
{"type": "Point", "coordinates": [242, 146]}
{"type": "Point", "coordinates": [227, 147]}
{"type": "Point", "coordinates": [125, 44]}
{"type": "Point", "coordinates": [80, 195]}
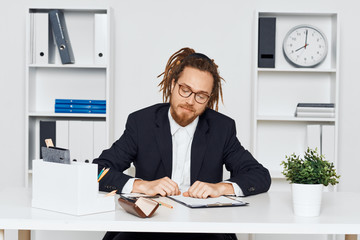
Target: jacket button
{"type": "Point", "coordinates": [251, 189]}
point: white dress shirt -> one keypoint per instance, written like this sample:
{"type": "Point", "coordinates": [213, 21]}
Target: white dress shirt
{"type": "Point", "coordinates": [182, 140]}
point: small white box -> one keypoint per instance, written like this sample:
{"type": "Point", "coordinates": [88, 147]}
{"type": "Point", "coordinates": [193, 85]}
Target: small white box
{"type": "Point", "coordinates": [68, 188]}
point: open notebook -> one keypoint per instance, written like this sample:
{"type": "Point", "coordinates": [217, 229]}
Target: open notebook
{"type": "Point", "coordinates": [222, 201]}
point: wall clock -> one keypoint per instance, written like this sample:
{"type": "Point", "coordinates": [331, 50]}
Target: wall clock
{"type": "Point", "coordinates": [305, 46]}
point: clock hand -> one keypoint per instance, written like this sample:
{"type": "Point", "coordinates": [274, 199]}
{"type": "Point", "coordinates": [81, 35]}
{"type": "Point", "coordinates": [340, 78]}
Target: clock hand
{"type": "Point", "coordinates": [306, 38]}
{"type": "Point", "coordinates": [302, 47]}
{"type": "Point", "coordinates": [299, 48]}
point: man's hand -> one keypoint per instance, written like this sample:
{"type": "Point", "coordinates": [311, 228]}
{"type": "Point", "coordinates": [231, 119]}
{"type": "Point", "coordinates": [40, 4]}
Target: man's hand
{"type": "Point", "coordinates": [163, 186]}
{"type": "Point", "coordinates": [205, 190]}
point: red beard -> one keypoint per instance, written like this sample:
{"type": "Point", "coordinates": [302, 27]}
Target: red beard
{"type": "Point", "coordinates": [183, 118]}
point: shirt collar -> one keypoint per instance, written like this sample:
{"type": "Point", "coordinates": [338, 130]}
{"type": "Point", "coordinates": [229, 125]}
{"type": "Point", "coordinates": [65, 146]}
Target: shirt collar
{"type": "Point", "coordinates": [190, 128]}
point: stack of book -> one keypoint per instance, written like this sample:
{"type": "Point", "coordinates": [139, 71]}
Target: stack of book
{"type": "Point", "coordinates": [326, 110]}
{"type": "Point", "coordinates": [80, 106]}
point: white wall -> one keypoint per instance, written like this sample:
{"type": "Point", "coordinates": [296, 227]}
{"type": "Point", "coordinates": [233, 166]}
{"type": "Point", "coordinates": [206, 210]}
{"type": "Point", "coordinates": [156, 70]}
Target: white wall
{"type": "Point", "coordinates": [12, 90]}
{"type": "Point", "coordinates": [146, 33]}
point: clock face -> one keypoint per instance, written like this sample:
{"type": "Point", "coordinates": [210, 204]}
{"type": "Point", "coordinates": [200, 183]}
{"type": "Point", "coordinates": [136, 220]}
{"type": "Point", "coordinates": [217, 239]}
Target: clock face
{"type": "Point", "coordinates": [305, 46]}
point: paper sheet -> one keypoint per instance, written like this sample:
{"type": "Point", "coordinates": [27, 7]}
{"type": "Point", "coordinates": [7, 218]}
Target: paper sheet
{"type": "Point", "coordinates": [198, 202]}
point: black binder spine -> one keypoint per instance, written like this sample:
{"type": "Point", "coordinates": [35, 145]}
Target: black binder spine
{"type": "Point", "coordinates": [266, 50]}
{"type": "Point", "coordinates": [47, 130]}
{"type": "Point", "coordinates": [62, 39]}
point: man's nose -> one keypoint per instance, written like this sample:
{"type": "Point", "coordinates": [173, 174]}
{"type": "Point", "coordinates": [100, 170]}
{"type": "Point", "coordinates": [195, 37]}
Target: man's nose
{"type": "Point", "coordinates": [191, 99]}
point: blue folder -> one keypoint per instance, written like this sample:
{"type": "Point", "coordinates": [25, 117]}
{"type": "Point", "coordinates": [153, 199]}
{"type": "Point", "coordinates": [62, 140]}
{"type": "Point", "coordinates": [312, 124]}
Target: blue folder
{"type": "Point", "coordinates": [77, 110]}
{"type": "Point", "coordinates": [79, 101]}
{"type": "Point", "coordinates": [80, 106]}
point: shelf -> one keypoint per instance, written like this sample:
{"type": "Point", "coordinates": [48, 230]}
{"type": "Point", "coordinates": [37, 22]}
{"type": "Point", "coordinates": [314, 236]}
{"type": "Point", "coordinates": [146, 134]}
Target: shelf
{"type": "Point", "coordinates": [87, 9]}
{"type": "Point", "coordinates": [277, 91]}
{"type": "Point", "coordinates": [293, 119]}
{"type": "Point", "coordinates": [70, 115]}
{"type": "Point", "coordinates": [306, 70]}
{"type": "Point", "coordinates": [296, 13]}
{"type": "Point", "coordinates": [47, 79]}
{"type": "Point", "coordinates": [67, 66]}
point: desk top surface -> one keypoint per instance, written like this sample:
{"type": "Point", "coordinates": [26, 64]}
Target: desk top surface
{"type": "Point", "coordinates": [266, 213]}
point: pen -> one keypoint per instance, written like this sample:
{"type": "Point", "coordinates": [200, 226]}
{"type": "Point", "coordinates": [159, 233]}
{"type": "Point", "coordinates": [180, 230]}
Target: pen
{"type": "Point", "coordinates": [103, 174]}
{"type": "Point", "coordinates": [112, 193]}
{"type": "Point", "coordinates": [164, 204]}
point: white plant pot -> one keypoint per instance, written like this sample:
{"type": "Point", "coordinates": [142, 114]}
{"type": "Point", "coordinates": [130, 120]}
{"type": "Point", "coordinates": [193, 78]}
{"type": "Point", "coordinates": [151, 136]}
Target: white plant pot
{"type": "Point", "coordinates": [307, 199]}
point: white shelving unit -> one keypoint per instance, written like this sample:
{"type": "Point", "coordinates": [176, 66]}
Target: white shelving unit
{"type": "Point", "coordinates": [276, 91]}
{"type": "Point", "coordinates": [87, 78]}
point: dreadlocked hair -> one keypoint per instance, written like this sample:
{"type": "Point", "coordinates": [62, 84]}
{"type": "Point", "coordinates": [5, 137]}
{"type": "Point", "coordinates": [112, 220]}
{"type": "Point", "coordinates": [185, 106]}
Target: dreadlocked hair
{"type": "Point", "coordinates": [187, 57]}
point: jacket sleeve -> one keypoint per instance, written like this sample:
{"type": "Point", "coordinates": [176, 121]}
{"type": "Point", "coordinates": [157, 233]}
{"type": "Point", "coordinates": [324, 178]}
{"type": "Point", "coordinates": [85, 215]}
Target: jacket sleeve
{"type": "Point", "coordinates": [244, 169]}
{"type": "Point", "coordinates": [118, 158]}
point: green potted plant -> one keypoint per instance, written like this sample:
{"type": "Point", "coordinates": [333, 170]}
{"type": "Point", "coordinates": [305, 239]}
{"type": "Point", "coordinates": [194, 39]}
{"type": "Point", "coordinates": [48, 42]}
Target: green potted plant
{"type": "Point", "coordinates": [308, 176]}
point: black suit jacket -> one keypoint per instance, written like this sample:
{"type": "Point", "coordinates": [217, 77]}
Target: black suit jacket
{"type": "Point", "coordinates": [147, 142]}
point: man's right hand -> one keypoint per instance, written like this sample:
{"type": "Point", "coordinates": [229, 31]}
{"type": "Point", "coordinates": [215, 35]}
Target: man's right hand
{"type": "Point", "coordinates": [163, 186]}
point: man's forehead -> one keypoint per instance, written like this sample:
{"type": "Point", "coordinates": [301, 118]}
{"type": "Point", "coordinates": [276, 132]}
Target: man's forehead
{"type": "Point", "coordinates": [197, 80]}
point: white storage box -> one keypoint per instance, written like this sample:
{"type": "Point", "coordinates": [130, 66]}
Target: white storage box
{"type": "Point", "coordinates": [68, 188]}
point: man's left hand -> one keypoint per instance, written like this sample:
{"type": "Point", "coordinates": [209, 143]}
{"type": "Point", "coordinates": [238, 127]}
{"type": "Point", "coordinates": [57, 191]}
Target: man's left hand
{"type": "Point", "coordinates": [205, 190]}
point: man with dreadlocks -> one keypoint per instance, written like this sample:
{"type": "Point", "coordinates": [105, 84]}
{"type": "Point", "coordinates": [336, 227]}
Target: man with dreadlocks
{"type": "Point", "coordinates": [180, 147]}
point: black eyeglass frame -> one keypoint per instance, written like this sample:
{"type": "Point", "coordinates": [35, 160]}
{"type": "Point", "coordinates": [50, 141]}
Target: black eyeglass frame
{"type": "Point", "coordinates": [191, 92]}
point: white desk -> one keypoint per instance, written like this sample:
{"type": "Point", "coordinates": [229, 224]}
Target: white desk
{"type": "Point", "coordinates": [267, 213]}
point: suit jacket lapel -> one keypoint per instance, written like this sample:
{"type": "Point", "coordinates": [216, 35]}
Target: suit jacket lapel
{"type": "Point", "coordinates": [198, 147]}
{"type": "Point", "coordinates": [163, 138]}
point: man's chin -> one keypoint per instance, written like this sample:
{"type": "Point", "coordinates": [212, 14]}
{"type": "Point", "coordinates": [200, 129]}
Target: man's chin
{"type": "Point", "coordinates": [184, 119]}
{"type": "Point", "coordinates": [183, 115]}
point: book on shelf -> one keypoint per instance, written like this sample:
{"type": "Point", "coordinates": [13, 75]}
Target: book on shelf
{"type": "Point", "coordinates": [40, 37]}
{"type": "Point", "coordinates": [79, 106]}
{"type": "Point", "coordinates": [85, 139]}
{"type": "Point", "coordinates": [326, 110]}
{"type": "Point", "coordinates": [47, 130]}
{"type": "Point", "coordinates": [100, 40]}
{"type": "Point", "coordinates": [313, 136]}
{"type": "Point", "coordinates": [315, 114]}
{"type": "Point", "coordinates": [328, 142]}
{"type": "Point", "coordinates": [322, 105]}
{"type": "Point", "coordinates": [315, 107]}
{"type": "Point", "coordinates": [79, 101]}
{"type": "Point", "coordinates": [79, 110]}
{"type": "Point", "coordinates": [322, 137]}
{"type": "Point", "coordinates": [58, 26]}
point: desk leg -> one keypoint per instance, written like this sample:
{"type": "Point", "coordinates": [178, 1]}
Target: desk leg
{"type": "Point", "coordinates": [1, 234]}
{"type": "Point", "coordinates": [351, 237]}
{"type": "Point", "coordinates": [24, 235]}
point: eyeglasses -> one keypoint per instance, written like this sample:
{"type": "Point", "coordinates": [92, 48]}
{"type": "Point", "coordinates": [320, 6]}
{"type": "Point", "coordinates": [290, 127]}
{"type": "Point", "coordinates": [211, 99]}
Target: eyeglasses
{"type": "Point", "coordinates": [186, 92]}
